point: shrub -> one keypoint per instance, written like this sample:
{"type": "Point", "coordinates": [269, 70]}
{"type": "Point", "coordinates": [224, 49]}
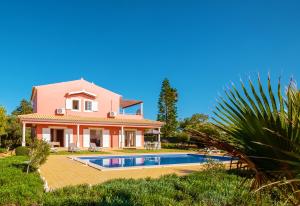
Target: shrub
{"type": "Point", "coordinates": [38, 153]}
{"type": "Point", "coordinates": [208, 187]}
{"type": "Point", "coordinates": [178, 146]}
{"type": "Point", "coordinates": [22, 151]}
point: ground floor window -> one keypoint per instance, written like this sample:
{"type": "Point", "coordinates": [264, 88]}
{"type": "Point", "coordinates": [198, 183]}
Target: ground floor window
{"type": "Point", "coordinates": [130, 138]}
{"type": "Point", "coordinates": [96, 137]}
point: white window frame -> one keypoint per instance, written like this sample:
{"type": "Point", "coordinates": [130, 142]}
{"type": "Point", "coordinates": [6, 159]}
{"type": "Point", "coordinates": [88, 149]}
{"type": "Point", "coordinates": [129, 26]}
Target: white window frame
{"type": "Point", "coordinates": [79, 105]}
{"type": "Point", "coordinates": [87, 100]}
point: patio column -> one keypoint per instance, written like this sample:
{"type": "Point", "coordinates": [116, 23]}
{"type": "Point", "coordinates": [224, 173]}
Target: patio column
{"type": "Point", "coordinates": [158, 138]}
{"type": "Point", "coordinates": [23, 134]}
{"type": "Point", "coordinates": [77, 142]}
{"type": "Point", "coordinates": [122, 136]}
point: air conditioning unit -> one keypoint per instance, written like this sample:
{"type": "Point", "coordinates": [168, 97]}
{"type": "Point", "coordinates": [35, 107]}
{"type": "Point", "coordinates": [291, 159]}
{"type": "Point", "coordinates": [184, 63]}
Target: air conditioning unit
{"type": "Point", "coordinates": [60, 111]}
{"type": "Point", "coordinates": [112, 114]}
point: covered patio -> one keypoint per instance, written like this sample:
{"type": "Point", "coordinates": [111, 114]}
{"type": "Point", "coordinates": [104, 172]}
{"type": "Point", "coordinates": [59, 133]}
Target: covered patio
{"type": "Point", "coordinates": [115, 133]}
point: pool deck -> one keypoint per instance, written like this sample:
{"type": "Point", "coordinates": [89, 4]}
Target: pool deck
{"type": "Point", "coordinates": [60, 171]}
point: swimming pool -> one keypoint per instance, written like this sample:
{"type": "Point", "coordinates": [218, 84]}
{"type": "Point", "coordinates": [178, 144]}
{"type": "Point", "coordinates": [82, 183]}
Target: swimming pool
{"type": "Point", "coordinates": [153, 160]}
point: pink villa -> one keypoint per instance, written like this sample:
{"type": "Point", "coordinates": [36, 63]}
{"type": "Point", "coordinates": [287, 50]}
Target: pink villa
{"type": "Point", "coordinates": [81, 112]}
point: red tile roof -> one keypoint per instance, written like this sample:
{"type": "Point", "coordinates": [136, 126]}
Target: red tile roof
{"type": "Point", "coordinates": [86, 120]}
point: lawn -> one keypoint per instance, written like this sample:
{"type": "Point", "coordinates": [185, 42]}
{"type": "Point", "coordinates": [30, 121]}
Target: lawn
{"type": "Point", "coordinates": [15, 185]}
{"type": "Point", "coordinates": [150, 151]}
{"type": "Point", "coordinates": [209, 187]}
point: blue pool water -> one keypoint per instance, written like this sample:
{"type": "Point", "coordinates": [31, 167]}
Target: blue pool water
{"type": "Point", "coordinates": [149, 160]}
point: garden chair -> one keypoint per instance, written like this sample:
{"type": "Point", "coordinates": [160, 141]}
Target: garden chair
{"type": "Point", "coordinates": [73, 148]}
{"type": "Point", "coordinates": [93, 147]}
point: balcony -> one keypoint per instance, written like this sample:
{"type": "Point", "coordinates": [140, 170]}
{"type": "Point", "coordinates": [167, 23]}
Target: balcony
{"type": "Point", "coordinates": [131, 109]}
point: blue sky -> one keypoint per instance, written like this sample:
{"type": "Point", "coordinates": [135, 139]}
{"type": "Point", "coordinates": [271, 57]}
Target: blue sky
{"type": "Point", "coordinates": [130, 46]}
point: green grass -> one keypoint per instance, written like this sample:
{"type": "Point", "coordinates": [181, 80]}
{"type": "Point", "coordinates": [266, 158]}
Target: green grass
{"type": "Point", "coordinates": [149, 151]}
{"type": "Point", "coordinates": [83, 152]}
{"type": "Point", "coordinates": [17, 187]}
{"type": "Point", "coordinates": [207, 188]}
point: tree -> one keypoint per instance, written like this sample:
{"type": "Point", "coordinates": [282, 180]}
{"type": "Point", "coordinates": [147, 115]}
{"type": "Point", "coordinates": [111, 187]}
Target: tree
{"type": "Point", "coordinates": [193, 121]}
{"type": "Point", "coordinates": [199, 123]}
{"type": "Point", "coordinates": [167, 110]}
{"type": "Point", "coordinates": [14, 129]}
{"type": "Point", "coordinates": [25, 107]}
{"type": "Point", "coordinates": [3, 122]}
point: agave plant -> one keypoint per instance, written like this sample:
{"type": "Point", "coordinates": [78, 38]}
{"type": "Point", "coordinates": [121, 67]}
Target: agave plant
{"type": "Point", "coordinates": [263, 129]}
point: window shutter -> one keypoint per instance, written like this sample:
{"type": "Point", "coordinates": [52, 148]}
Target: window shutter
{"type": "Point", "coordinates": [68, 104]}
{"type": "Point", "coordinates": [46, 134]}
{"type": "Point", "coordinates": [106, 138]}
{"type": "Point", "coordinates": [121, 141]}
{"type": "Point", "coordinates": [95, 106]}
{"type": "Point", "coordinates": [138, 140]}
{"type": "Point", "coordinates": [68, 137]}
{"type": "Point", "coordinates": [86, 138]}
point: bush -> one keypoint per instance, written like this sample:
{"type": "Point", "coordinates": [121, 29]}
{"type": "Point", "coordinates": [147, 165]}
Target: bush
{"type": "Point", "coordinates": [206, 188]}
{"type": "Point", "coordinates": [22, 151]}
{"type": "Point", "coordinates": [183, 146]}
{"type": "Point", "coordinates": [38, 153]}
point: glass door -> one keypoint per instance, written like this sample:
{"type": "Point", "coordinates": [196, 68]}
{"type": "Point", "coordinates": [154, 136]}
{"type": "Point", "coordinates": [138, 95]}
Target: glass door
{"type": "Point", "coordinates": [96, 137]}
{"type": "Point", "coordinates": [130, 138]}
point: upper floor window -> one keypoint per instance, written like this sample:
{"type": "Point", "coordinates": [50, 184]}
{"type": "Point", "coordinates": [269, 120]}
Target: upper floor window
{"type": "Point", "coordinates": [75, 104]}
{"type": "Point", "coordinates": [78, 105]}
{"type": "Point", "coordinates": [88, 106]}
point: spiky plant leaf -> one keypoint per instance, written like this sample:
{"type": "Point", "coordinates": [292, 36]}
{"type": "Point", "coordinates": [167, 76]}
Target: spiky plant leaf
{"type": "Point", "coordinates": [265, 127]}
